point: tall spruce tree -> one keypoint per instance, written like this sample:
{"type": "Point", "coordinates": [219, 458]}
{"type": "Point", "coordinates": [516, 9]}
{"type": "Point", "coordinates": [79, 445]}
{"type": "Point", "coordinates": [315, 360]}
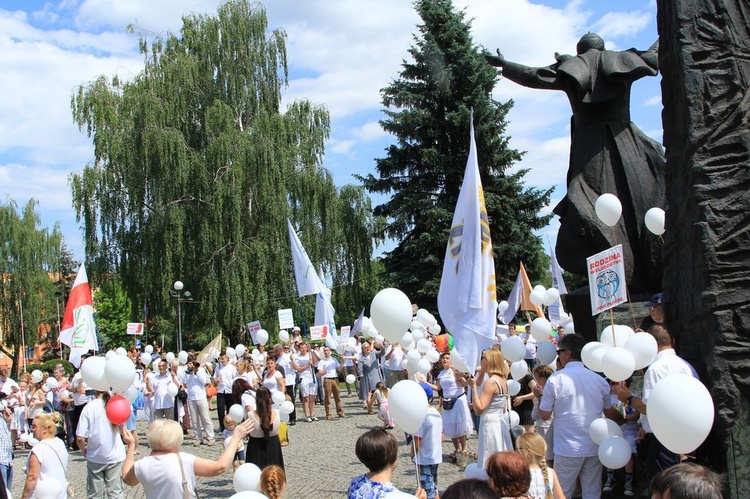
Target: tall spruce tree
{"type": "Point", "coordinates": [428, 108]}
{"type": "Point", "coordinates": [196, 172]}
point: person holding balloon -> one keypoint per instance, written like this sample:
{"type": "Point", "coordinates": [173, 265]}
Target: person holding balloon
{"type": "Point", "coordinates": [48, 459]}
{"type": "Point", "coordinates": [457, 424]}
{"type": "Point", "coordinates": [491, 405]}
{"type": "Point", "coordinates": [368, 371]}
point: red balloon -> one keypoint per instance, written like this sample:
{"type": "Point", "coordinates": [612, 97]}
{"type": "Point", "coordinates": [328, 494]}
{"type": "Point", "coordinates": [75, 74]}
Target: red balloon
{"type": "Point", "coordinates": [118, 409]}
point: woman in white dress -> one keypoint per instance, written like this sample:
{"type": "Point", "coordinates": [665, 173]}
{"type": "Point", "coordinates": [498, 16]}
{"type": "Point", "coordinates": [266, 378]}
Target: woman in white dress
{"type": "Point", "coordinates": [491, 405]}
{"type": "Point", "coordinates": [457, 423]}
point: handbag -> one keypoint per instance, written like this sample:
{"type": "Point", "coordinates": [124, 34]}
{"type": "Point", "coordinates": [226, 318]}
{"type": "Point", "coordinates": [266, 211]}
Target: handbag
{"type": "Point", "coordinates": [449, 403]}
{"type": "Point", "coordinates": [185, 490]}
{"type": "Point", "coordinates": [211, 390]}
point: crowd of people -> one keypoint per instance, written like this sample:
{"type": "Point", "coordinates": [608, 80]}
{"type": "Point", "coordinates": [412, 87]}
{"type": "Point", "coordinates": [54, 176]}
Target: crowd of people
{"type": "Point", "coordinates": [546, 453]}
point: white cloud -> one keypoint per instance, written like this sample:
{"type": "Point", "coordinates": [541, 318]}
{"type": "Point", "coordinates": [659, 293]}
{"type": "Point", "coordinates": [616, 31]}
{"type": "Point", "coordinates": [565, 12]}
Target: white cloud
{"type": "Point", "coordinates": [653, 101]}
{"type": "Point", "coordinates": [369, 131]}
{"type": "Point", "coordinates": [616, 24]}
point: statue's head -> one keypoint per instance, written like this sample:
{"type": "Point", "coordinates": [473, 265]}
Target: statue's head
{"type": "Point", "coordinates": [589, 41]}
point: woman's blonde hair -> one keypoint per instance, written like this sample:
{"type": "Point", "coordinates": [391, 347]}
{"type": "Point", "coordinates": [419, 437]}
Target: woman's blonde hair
{"type": "Point", "coordinates": [50, 422]}
{"type": "Point", "coordinates": [534, 449]}
{"type": "Point", "coordinates": [496, 363]}
{"type": "Point", "coordinates": [272, 481]}
{"type": "Point", "coordinates": [164, 435]}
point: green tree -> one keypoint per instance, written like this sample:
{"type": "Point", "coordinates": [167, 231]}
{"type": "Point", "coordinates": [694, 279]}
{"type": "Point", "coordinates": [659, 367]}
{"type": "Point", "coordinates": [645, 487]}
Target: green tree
{"type": "Point", "coordinates": [28, 253]}
{"type": "Point", "coordinates": [428, 109]}
{"type": "Point", "coordinates": [113, 311]}
{"type": "Point", "coordinates": [196, 172]}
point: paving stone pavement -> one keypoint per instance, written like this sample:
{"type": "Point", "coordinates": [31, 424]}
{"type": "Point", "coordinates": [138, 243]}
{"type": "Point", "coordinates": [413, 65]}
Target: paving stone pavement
{"type": "Point", "coordinates": [319, 460]}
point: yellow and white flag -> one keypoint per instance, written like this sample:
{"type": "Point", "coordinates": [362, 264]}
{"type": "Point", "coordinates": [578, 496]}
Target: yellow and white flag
{"type": "Point", "coordinates": [467, 300]}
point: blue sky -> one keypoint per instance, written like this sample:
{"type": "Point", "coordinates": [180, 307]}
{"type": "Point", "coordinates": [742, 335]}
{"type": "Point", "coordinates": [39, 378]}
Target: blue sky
{"type": "Point", "coordinates": [341, 53]}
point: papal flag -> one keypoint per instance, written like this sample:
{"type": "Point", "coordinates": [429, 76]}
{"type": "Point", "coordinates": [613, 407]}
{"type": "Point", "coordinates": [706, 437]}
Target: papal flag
{"type": "Point", "coordinates": [556, 309]}
{"type": "Point", "coordinates": [308, 282]}
{"type": "Point", "coordinates": [518, 299]}
{"type": "Point", "coordinates": [467, 300]}
{"type": "Point", "coordinates": [78, 330]}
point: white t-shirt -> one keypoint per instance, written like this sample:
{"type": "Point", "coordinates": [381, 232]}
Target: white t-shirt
{"type": "Point", "coordinates": [430, 433]}
{"type": "Point", "coordinates": [195, 384]}
{"type": "Point", "coordinates": [531, 345]}
{"type": "Point", "coordinates": [78, 398]}
{"type": "Point", "coordinates": [272, 383]}
{"type": "Point", "coordinates": [226, 375]}
{"type": "Point", "coordinates": [53, 460]}
{"type": "Point", "coordinates": [105, 445]}
{"type": "Point", "coordinates": [304, 361]}
{"type": "Point", "coordinates": [351, 352]}
{"type": "Point", "coordinates": [160, 384]}
{"type": "Point", "coordinates": [290, 375]}
{"type": "Point", "coordinates": [330, 366]}
{"type": "Point", "coordinates": [248, 400]}
{"type": "Point", "coordinates": [8, 386]}
{"type": "Point", "coordinates": [161, 476]}
{"type": "Point", "coordinates": [577, 396]}
{"type": "Point", "coordinates": [394, 362]}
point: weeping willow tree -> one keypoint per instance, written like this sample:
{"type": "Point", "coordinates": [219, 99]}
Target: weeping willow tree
{"type": "Point", "coordinates": [196, 171]}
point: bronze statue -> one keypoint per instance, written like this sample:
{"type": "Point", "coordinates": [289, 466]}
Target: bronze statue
{"type": "Point", "coordinates": [608, 154]}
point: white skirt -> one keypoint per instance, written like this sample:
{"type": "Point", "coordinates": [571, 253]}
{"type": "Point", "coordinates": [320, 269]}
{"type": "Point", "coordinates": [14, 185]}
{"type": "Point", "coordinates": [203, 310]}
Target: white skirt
{"type": "Point", "coordinates": [457, 421]}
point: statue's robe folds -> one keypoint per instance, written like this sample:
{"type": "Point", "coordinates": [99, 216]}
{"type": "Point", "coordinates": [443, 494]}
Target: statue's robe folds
{"type": "Point", "coordinates": [608, 154]}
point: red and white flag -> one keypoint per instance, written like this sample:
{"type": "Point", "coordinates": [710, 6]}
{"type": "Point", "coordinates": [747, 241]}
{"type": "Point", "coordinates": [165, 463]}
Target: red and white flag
{"type": "Point", "coordinates": [78, 330]}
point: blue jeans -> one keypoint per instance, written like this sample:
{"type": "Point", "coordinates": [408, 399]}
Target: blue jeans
{"type": "Point", "coordinates": [6, 470]}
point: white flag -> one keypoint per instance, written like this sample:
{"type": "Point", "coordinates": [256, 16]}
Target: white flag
{"type": "Point", "coordinates": [556, 310]}
{"type": "Point", "coordinates": [607, 286]}
{"type": "Point", "coordinates": [78, 329]}
{"type": "Point", "coordinates": [308, 282]}
{"type": "Point", "coordinates": [515, 298]}
{"type": "Point", "coordinates": [324, 312]}
{"type": "Point", "coordinates": [467, 300]}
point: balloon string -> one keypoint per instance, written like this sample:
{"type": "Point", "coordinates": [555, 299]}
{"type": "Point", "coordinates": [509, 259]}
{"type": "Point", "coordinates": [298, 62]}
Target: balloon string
{"type": "Point", "coordinates": [416, 458]}
{"type": "Point", "coordinates": [627, 293]}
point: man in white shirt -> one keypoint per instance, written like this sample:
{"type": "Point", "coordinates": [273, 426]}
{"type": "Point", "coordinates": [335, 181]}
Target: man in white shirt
{"type": "Point", "coordinates": [328, 368]}
{"type": "Point", "coordinates": [224, 377]}
{"type": "Point", "coordinates": [665, 363]}
{"type": "Point", "coordinates": [159, 385]}
{"type": "Point", "coordinates": [195, 379]}
{"type": "Point", "coordinates": [531, 344]}
{"type": "Point", "coordinates": [393, 360]}
{"type": "Point", "coordinates": [576, 396]}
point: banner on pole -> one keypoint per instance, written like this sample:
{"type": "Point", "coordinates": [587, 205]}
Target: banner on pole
{"type": "Point", "coordinates": [254, 327]}
{"type": "Point", "coordinates": [286, 318]}
{"type": "Point", "coordinates": [344, 334]}
{"type": "Point", "coordinates": [135, 328]}
{"type": "Point", "coordinates": [607, 279]}
{"type": "Point", "coordinates": [318, 332]}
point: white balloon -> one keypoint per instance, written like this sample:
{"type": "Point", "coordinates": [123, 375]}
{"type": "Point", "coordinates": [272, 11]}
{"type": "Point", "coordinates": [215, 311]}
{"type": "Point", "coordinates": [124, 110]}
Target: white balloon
{"type": "Point", "coordinates": [237, 413]}
{"type": "Point", "coordinates": [51, 383]}
{"type": "Point", "coordinates": [240, 350]}
{"type": "Point", "coordinates": [92, 371]}
{"type": "Point", "coordinates": [255, 354]}
{"type": "Point", "coordinates": [424, 366]}
{"type": "Point", "coordinates": [182, 357]}
{"type": "Point", "coordinates": [391, 313]}
{"type": "Point", "coordinates": [678, 429]}
{"type": "Point", "coordinates": [413, 355]}
{"type": "Point", "coordinates": [432, 355]}
{"type": "Point", "coordinates": [502, 307]}
{"type": "Point", "coordinates": [119, 372]}
{"type": "Point", "coordinates": [32, 441]}
{"type": "Point", "coordinates": [37, 376]}
{"type": "Point", "coordinates": [416, 325]}
{"type": "Point", "coordinates": [643, 348]}
{"type": "Point", "coordinates": [65, 394]}
{"type": "Point", "coordinates": [170, 358]}
{"type": "Point", "coordinates": [418, 334]}
{"type": "Point", "coordinates": [49, 488]}
{"type": "Point", "coordinates": [618, 364]}
{"type": "Point", "coordinates": [405, 363]}
{"type": "Point", "coordinates": [278, 398]}
{"type": "Point", "coordinates": [608, 208]}
{"type": "Point", "coordinates": [614, 452]}
{"type": "Point", "coordinates": [551, 296]}
{"type": "Point", "coordinates": [514, 387]}
{"type": "Point", "coordinates": [601, 428]}
{"type": "Point", "coordinates": [156, 362]}
{"type": "Point", "coordinates": [546, 352]}
{"type": "Point", "coordinates": [226, 442]}
{"type": "Point", "coordinates": [121, 351]}
{"type": "Point", "coordinates": [262, 336]}
{"type": "Point", "coordinates": [231, 353]}
{"type": "Point", "coordinates": [541, 329]}
{"type": "Point", "coordinates": [284, 336]}
{"type": "Point", "coordinates": [406, 338]}
{"type": "Point", "coordinates": [408, 404]}
{"type": "Point", "coordinates": [379, 338]}
{"type": "Point", "coordinates": [473, 470]}
{"type": "Point", "coordinates": [513, 349]}
{"type": "Point", "coordinates": [459, 363]}
{"type": "Point", "coordinates": [149, 349]}
{"type": "Point", "coordinates": [350, 378]}
{"type": "Point", "coordinates": [352, 342]}
{"type": "Point", "coordinates": [426, 317]}
{"type": "Point", "coordinates": [284, 416]}
{"type": "Point", "coordinates": [424, 345]}
{"type": "Point", "coordinates": [592, 354]}
{"type": "Point", "coordinates": [512, 418]}
{"type": "Point", "coordinates": [618, 338]}
{"type": "Point", "coordinates": [23, 438]}
{"type": "Point", "coordinates": [287, 407]}
{"type": "Point", "coordinates": [537, 295]}
{"type": "Point", "coordinates": [131, 394]}
{"type": "Point", "coordinates": [145, 359]}
{"type": "Point", "coordinates": [109, 354]}
{"type": "Point", "coordinates": [408, 346]}
{"type": "Point", "coordinates": [655, 221]}
{"type": "Point", "coordinates": [247, 478]}
{"type": "Point", "coordinates": [519, 369]}
{"type": "Point", "coordinates": [435, 330]}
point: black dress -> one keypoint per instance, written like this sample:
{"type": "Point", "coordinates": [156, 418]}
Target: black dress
{"type": "Point", "coordinates": [264, 447]}
{"type": "Point", "coordinates": [524, 410]}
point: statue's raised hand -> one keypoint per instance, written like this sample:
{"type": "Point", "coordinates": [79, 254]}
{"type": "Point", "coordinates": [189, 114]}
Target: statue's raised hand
{"type": "Point", "coordinates": [495, 60]}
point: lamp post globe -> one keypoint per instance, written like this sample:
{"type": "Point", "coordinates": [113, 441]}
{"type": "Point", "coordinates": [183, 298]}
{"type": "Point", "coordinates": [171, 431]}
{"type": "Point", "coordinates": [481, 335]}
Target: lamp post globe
{"type": "Point", "coordinates": [178, 285]}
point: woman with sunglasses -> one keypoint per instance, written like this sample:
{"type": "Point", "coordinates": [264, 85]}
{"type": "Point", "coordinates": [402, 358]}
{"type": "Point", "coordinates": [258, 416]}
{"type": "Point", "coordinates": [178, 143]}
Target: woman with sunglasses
{"type": "Point", "coordinates": [491, 405]}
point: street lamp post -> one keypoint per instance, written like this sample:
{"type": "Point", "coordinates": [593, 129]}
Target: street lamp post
{"type": "Point", "coordinates": [181, 296]}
